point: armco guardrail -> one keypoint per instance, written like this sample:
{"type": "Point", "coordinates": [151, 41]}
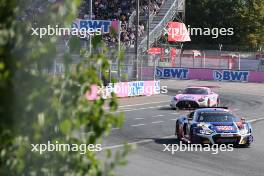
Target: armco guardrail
{"type": "Point", "coordinates": [124, 89]}
{"type": "Point", "coordinates": [210, 74]}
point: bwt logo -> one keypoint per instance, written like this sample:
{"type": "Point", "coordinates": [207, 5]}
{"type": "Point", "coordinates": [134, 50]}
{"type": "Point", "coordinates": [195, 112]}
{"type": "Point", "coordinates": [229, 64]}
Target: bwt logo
{"type": "Point", "coordinates": [93, 24]}
{"type": "Point", "coordinates": [227, 75]}
{"type": "Point", "coordinates": [176, 73]}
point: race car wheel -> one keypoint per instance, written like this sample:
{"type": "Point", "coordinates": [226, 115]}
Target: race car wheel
{"type": "Point", "coordinates": [218, 102]}
{"type": "Point", "coordinates": [208, 103]}
{"type": "Point", "coordinates": [178, 132]}
{"type": "Point", "coordinates": [194, 139]}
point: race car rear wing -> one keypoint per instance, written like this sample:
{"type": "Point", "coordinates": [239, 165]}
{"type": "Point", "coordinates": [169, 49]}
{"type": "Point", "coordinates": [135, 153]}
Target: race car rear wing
{"type": "Point", "coordinates": [194, 108]}
{"type": "Point", "coordinates": [224, 107]}
{"type": "Point", "coordinates": [211, 87]}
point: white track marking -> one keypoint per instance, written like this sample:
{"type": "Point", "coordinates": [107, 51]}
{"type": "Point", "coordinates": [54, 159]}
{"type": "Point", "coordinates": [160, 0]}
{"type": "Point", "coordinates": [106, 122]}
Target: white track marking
{"type": "Point", "coordinates": [134, 143]}
{"type": "Point", "coordinates": [158, 122]}
{"type": "Point", "coordinates": [255, 120]}
{"type": "Point", "coordinates": [138, 109]}
{"type": "Point", "coordinates": [138, 118]}
{"type": "Point", "coordinates": [160, 115]}
{"type": "Point", "coordinates": [142, 124]}
{"type": "Point", "coordinates": [143, 104]}
{"type": "Point", "coordinates": [174, 113]}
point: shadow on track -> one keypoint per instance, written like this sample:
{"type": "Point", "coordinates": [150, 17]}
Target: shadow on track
{"type": "Point", "coordinates": [166, 108]}
{"type": "Point", "coordinates": [166, 141]}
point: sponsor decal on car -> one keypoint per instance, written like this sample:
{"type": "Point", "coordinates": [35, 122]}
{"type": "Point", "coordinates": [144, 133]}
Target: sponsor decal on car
{"type": "Point", "coordinates": [224, 128]}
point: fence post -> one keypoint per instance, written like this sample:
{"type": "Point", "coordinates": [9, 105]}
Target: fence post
{"type": "Point", "coordinates": [203, 59]}
{"type": "Point", "coordinates": [239, 64]}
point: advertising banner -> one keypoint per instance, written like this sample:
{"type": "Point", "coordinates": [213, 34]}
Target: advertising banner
{"type": "Point", "coordinates": [95, 25]}
{"type": "Point", "coordinates": [210, 74]}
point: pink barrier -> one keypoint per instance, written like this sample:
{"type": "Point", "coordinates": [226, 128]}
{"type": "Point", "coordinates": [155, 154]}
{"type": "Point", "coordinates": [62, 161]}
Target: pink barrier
{"type": "Point", "coordinates": [121, 89]}
{"type": "Point", "coordinates": [256, 77]}
{"type": "Point", "coordinates": [124, 89]}
{"type": "Point", "coordinates": [201, 74]}
{"type": "Point", "coordinates": [92, 95]}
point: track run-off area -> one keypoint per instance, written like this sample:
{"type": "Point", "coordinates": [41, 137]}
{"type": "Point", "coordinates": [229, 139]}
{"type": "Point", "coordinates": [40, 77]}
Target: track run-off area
{"type": "Point", "coordinates": [149, 123]}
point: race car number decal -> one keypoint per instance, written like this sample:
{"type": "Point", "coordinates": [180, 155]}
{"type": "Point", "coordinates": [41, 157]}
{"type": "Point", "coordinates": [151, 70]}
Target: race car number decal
{"type": "Point", "coordinates": [225, 128]}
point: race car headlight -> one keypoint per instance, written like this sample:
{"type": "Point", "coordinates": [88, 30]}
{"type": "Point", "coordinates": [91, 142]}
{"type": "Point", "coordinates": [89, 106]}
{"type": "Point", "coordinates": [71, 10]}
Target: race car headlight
{"type": "Point", "coordinates": [207, 131]}
{"type": "Point", "coordinates": [244, 131]}
{"type": "Point", "coordinates": [201, 99]}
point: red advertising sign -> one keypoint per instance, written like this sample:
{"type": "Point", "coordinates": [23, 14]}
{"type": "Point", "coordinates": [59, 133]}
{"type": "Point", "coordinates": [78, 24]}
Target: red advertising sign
{"type": "Point", "coordinates": [177, 32]}
{"type": "Point", "coordinates": [154, 51]}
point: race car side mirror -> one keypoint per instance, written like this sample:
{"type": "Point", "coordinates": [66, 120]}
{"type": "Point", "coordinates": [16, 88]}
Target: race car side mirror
{"type": "Point", "coordinates": [190, 120]}
{"type": "Point", "coordinates": [243, 120]}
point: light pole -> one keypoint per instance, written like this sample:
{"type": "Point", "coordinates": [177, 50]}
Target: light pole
{"type": "Point", "coordinates": [148, 24]}
{"type": "Point", "coordinates": [136, 42]}
{"type": "Point", "coordinates": [220, 50]}
{"type": "Point", "coordinates": [181, 54]}
{"type": "Point", "coordinates": [239, 61]}
{"type": "Point", "coordinates": [91, 16]}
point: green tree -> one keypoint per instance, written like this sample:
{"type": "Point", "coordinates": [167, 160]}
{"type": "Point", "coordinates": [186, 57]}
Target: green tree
{"type": "Point", "coordinates": [245, 17]}
{"type": "Point", "coordinates": [37, 107]}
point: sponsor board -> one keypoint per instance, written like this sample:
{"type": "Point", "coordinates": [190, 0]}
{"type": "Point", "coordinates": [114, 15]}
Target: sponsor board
{"type": "Point", "coordinates": [173, 73]}
{"type": "Point", "coordinates": [104, 26]}
{"type": "Point", "coordinates": [209, 74]}
{"type": "Point", "coordinates": [230, 75]}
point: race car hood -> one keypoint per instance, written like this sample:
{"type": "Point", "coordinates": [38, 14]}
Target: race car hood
{"type": "Point", "coordinates": [190, 97]}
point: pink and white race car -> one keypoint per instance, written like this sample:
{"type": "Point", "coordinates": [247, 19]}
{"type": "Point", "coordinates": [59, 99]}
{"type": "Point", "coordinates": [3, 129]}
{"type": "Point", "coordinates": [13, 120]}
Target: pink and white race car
{"type": "Point", "coordinates": [194, 97]}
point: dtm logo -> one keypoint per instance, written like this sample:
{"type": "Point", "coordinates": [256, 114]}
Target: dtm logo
{"type": "Point", "coordinates": [176, 73]}
{"type": "Point", "coordinates": [227, 75]}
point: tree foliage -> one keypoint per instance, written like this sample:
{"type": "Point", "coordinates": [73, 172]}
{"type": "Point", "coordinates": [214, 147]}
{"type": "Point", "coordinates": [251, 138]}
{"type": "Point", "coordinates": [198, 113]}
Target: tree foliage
{"type": "Point", "coordinates": [37, 107]}
{"type": "Point", "coordinates": [246, 17]}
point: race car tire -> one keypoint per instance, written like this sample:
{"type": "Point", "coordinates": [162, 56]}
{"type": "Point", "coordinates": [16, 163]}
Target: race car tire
{"type": "Point", "coordinates": [194, 139]}
{"type": "Point", "coordinates": [177, 131]}
{"type": "Point", "coordinates": [218, 102]}
{"type": "Point", "coordinates": [208, 103]}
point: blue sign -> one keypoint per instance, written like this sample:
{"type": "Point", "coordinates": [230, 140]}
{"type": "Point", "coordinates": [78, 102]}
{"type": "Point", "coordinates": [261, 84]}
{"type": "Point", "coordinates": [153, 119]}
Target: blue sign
{"type": "Point", "coordinates": [229, 75]}
{"type": "Point", "coordinates": [175, 73]}
{"type": "Point", "coordinates": [136, 88]}
{"type": "Point", "coordinates": [93, 24]}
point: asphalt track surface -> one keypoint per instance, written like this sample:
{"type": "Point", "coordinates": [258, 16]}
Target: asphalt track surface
{"type": "Point", "coordinates": [150, 123]}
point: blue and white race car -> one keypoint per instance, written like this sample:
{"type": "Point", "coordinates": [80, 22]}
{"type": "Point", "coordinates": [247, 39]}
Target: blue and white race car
{"type": "Point", "coordinates": [213, 126]}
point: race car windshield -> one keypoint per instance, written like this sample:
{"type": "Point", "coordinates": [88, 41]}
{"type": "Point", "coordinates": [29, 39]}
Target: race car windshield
{"type": "Point", "coordinates": [216, 117]}
{"type": "Point", "coordinates": [195, 91]}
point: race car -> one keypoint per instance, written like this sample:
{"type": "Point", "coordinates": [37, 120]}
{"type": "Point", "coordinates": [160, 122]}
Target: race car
{"type": "Point", "coordinates": [194, 97]}
{"type": "Point", "coordinates": [213, 126]}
